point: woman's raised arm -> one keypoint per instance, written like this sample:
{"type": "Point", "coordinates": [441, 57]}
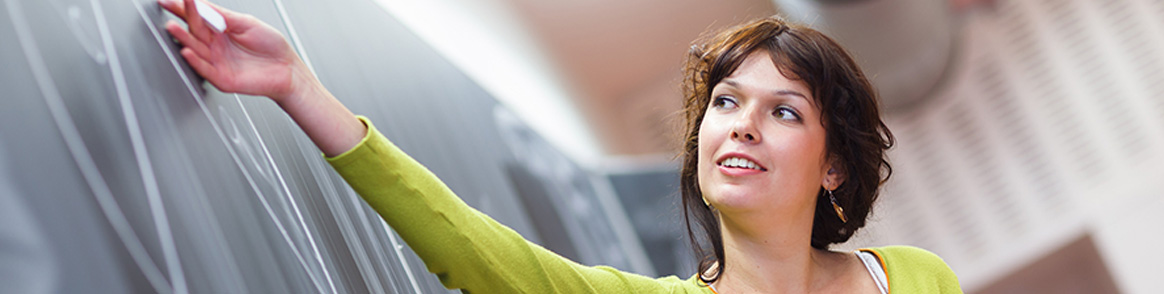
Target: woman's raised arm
{"type": "Point", "coordinates": [250, 57]}
{"type": "Point", "coordinates": [464, 247]}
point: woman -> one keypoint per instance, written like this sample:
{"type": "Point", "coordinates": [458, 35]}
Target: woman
{"type": "Point", "coordinates": [784, 155]}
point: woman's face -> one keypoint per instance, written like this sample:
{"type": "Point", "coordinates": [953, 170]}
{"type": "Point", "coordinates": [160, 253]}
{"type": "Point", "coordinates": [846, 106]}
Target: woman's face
{"type": "Point", "coordinates": [761, 142]}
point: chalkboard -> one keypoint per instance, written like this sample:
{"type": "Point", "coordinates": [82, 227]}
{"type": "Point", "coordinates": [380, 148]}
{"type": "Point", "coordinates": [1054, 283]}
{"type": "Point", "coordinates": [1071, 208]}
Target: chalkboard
{"type": "Point", "coordinates": [121, 171]}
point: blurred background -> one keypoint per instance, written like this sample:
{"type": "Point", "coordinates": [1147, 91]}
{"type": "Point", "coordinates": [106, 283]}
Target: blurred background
{"type": "Point", "coordinates": [1030, 131]}
{"type": "Point", "coordinates": [1030, 139]}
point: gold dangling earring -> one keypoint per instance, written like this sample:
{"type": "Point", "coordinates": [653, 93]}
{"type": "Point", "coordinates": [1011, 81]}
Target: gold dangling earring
{"type": "Point", "coordinates": [840, 211]}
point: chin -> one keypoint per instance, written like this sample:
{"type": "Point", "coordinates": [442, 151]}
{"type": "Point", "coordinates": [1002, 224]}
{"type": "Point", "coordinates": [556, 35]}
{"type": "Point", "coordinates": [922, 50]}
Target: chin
{"type": "Point", "coordinates": [725, 197]}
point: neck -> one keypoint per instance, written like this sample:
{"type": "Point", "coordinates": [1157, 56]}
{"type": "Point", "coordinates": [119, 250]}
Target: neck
{"type": "Point", "coordinates": [775, 258]}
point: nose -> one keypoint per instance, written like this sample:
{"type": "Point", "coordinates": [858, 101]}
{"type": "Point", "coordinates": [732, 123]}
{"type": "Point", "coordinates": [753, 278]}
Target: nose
{"type": "Point", "coordinates": [744, 130]}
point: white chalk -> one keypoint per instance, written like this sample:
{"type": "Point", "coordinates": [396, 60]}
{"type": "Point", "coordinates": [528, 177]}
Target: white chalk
{"type": "Point", "coordinates": [212, 17]}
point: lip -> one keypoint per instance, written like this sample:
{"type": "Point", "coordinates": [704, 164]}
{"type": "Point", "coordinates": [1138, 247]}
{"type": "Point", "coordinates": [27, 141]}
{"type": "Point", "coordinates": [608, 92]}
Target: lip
{"type": "Point", "coordinates": [735, 171]}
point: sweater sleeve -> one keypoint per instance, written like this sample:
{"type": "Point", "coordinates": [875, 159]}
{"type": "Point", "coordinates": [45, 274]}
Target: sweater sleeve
{"type": "Point", "coordinates": [465, 248]}
{"type": "Point", "coordinates": [914, 270]}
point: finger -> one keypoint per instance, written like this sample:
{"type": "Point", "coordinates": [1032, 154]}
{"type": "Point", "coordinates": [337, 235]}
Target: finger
{"type": "Point", "coordinates": [175, 7]}
{"type": "Point", "coordinates": [200, 65]}
{"type": "Point", "coordinates": [186, 39]}
{"type": "Point", "coordinates": [198, 27]}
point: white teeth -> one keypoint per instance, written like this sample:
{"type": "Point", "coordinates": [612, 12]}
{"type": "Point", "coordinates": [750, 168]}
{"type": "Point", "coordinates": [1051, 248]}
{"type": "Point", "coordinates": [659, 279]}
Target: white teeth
{"type": "Point", "coordinates": [740, 163]}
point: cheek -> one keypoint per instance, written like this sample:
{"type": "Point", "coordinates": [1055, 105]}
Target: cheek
{"type": "Point", "coordinates": [708, 138]}
{"type": "Point", "coordinates": [803, 153]}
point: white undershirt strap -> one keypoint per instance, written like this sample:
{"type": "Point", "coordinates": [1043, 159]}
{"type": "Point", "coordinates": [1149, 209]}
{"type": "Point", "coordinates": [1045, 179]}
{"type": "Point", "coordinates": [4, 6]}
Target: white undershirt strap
{"type": "Point", "coordinates": [875, 270]}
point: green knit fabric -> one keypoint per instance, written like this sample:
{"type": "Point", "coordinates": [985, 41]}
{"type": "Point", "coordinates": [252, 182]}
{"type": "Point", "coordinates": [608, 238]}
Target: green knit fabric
{"type": "Point", "coordinates": [469, 250]}
{"type": "Point", "coordinates": [915, 270]}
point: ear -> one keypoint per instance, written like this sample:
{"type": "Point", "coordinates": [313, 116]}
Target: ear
{"type": "Point", "coordinates": [834, 174]}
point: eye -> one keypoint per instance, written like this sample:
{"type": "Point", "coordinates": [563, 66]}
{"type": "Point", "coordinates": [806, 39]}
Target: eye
{"type": "Point", "coordinates": [786, 113]}
{"type": "Point", "coordinates": [723, 102]}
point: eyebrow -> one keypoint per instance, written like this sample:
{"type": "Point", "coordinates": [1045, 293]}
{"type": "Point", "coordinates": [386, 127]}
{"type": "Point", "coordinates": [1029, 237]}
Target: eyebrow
{"type": "Point", "coordinates": [781, 92]}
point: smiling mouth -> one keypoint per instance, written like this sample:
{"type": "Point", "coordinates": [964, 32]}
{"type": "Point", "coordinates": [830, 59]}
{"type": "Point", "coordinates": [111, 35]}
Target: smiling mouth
{"type": "Point", "coordinates": [738, 162]}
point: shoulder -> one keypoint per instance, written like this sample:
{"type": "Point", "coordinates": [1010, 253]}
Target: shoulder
{"type": "Point", "coordinates": [909, 257]}
{"type": "Point", "coordinates": [914, 270]}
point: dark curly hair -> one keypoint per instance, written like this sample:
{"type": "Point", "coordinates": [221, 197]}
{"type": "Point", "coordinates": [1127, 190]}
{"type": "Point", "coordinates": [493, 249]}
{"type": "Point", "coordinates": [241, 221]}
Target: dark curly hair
{"type": "Point", "coordinates": [855, 135]}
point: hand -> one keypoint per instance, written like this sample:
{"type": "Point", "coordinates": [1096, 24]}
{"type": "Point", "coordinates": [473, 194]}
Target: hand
{"type": "Point", "coordinates": [253, 58]}
{"type": "Point", "coordinates": [249, 57]}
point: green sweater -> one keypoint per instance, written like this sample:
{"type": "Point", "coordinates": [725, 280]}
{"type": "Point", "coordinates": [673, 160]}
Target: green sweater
{"type": "Point", "coordinates": [469, 250]}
